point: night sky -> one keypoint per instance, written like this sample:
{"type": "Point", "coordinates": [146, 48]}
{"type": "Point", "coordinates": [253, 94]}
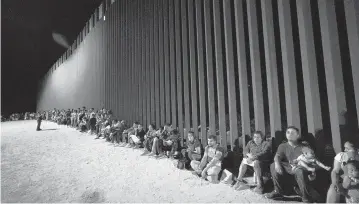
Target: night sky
{"type": "Point", "coordinates": [28, 49]}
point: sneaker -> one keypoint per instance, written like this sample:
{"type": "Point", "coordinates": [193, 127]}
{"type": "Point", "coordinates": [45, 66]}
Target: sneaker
{"type": "Point", "coordinates": [128, 145]}
{"type": "Point", "coordinates": [151, 154]}
{"type": "Point", "coordinates": [196, 174]}
{"type": "Point", "coordinates": [297, 191]}
{"type": "Point", "coordinates": [258, 190]}
{"type": "Point", "coordinates": [272, 195]}
{"type": "Point", "coordinates": [160, 156]}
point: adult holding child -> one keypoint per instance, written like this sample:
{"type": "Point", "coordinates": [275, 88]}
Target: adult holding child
{"type": "Point", "coordinates": [339, 171]}
{"type": "Point", "coordinates": [284, 176]}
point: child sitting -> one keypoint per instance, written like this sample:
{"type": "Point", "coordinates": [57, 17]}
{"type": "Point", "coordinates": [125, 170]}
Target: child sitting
{"type": "Point", "coordinates": [308, 161]}
{"type": "Point", "coordinates": [351, 182]}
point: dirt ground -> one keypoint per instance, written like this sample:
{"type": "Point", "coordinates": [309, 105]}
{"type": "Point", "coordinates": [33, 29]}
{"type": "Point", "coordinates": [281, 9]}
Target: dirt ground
{"type": "Point", "coordinates": [59, 164]}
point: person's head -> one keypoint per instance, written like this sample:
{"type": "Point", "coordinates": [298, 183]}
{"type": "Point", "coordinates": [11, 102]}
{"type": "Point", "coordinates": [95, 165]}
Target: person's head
{"type": "Point", "coordinates": [190, 136]}
{"type": "Point", "coordinates": [168, 126]}
{"type": "Point", "coordinates": [353, 168]}
{"type": "Point", "coordinates": [135, 124]}
{"type": "Point", "coordinates": [115, 121]}
{"type": "Point", "coordinates": [349, 146]}
{"type": "Point", "coordinates": [139, 126]}
{"type": "Point", "coordinates": [258, 137]}
{"type": "Point", "coordinates": [152, 127]}
{"type": "Point", "coordinates": [123, 122]}
{"type": "Point", "coordinates": [212, 140]}
{"type": "Point", "coordinates": [308, 152]}
{"type": "Point", "coordinates": [292, 134]}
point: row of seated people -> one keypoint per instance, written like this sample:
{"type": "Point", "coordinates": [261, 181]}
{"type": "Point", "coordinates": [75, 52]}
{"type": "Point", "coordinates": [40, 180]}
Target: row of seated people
{"type": "Point", "coordinates": [294, 163]}
{"type": "Point", "coordinates": [292, 168]}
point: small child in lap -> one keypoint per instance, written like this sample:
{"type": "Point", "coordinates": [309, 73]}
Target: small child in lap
{"type": "Point", "coordinates": [351, 182]}
{"type": "Point", "coordinates": [308, 161]}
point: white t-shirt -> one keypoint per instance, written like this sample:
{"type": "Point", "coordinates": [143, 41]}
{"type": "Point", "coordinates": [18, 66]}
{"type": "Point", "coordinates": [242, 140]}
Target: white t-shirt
{"type": "Point", "coordinates": [342, 158]}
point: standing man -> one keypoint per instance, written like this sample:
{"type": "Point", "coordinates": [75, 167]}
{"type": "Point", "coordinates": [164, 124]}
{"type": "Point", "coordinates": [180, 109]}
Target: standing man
{"type": "Point", "coordinates": [39, 119]}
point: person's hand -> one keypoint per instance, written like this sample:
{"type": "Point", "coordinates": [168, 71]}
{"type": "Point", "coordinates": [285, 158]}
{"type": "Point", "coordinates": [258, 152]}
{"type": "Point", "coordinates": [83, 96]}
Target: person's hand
{"type": "Point", "coordinates": [278, 168]}
{"type": "Point", "coordinates": [145, 136]}
{"type": "Point", "coordinates": [338, 188]}
{"type": "Point", "coordinates": [250, 156]}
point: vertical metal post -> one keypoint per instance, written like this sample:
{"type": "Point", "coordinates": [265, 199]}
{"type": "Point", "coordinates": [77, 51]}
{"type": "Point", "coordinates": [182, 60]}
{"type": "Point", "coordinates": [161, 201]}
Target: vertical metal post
{"type": "Point", "coordinates": [333, 68]}
{"type": "Point", "coordinates": [192, 65]}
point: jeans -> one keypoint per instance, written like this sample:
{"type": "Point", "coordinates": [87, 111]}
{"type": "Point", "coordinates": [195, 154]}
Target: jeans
{"type": "Point", "coordinates": [289, 178]}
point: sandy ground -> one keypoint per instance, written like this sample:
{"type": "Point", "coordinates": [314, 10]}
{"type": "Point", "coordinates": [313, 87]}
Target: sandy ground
{"type": "Point", "coordinates": [59, 164]}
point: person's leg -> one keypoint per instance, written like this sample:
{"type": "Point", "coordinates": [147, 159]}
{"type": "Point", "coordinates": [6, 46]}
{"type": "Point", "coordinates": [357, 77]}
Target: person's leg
{"type": "Point", "coordinates": [174, 147]}
{"type": "Point", "coordinates": [242, 170]}
{"type": "Point", "coordinates": [38, 126]}
{"type": "Point", "coordinates": [212, 173]}
{"type": "Point", "coordinates": [195, 165]}
{"type": "Point", "coordinates": [301, 176]}
{"type": "Point", "coordinates": [257, 166]}
{"type": "Point", "coordinates": [277, 182]}
{"type": "Point", "coordinates": [333, 196]}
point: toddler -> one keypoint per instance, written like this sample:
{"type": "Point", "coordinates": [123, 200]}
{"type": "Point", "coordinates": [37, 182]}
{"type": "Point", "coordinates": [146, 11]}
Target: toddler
{"type": "Point", "coordinates": [308, 161]}
{"type": "Point", "coordinates": [351, 182]}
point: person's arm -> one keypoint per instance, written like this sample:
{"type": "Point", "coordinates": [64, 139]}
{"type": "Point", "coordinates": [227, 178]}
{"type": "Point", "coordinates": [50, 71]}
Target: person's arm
{"type": "Point", "coordinates": [263, 154]}
{"type": "Point", "coordinates": [278, 158]}
{"type": "Point", "coordinates": [335, 172]}
{"type": "Point", "coordinates": [321, 165]}
{"type": "Point", "coordinates": [246, 149]}
{"type": "Point", "coordinates": [306, 166]}
{"type": "Point", "coordinates": [204, 159]}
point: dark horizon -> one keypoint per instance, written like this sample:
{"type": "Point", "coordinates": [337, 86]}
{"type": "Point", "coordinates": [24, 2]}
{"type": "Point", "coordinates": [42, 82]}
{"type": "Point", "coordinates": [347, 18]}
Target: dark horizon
{"type": "Point", "coordinates": [28, 47]}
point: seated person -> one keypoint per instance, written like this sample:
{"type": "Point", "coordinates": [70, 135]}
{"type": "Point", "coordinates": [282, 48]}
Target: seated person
{"type": "Point", "coordinates": [193, 150]}
{"type": "Point", "coordinates": [282, 175]}
{"type": "Point", "coordinates": [129, 131]}
{"type": "Point", "coordinates": [117, 131]}
{"type": "Point", "coordinates": [339, 170]}
{"type": "Point", "coordinates": [257, 154]}
{"type": "Point", "coordinates": [351, 182]}
{"type": "Point", "coordinates": [150, 135]}
{"type": "Point", "coordinates": [210, 165]}
{"type": "Point", "coordinates": [105, 127]}
{"type": "Point", "coordinates": [136, 139]}
{"type": "Point", "coordinates": [156, 150]}
{"type": "Point", "coordinates": [110, 133]}
{"type": "Point", "coordinates": [309, 162]}
{"type": "Point", "coordinates": [168, 141]}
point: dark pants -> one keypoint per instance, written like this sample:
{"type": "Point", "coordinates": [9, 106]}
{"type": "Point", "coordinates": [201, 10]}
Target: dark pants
{"type": "Point", "coordinates": [189, 156]}
{"type": "Point", "coordinates": [125, 137]}
{"type": "Point", "coordinates": [259, 167]}
{"type": "Point", "coordinates": [148, 143]}
{"type": "Point", "coordinates": [38, 125]}
{"type": "Point", "coordinates": [289, 178]}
